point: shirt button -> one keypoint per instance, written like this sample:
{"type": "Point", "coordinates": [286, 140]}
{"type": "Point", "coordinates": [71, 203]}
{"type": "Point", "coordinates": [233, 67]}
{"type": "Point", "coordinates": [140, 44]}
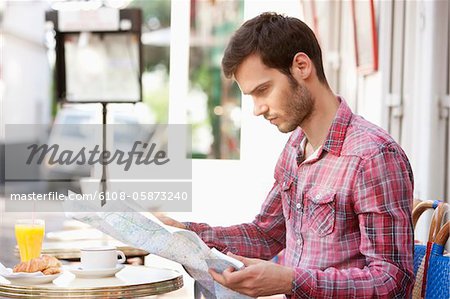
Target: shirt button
{"type": "Point", "coordinates": [299, 242]}
{"type": "Point", "coordinates": [298, 206]}
{"type": "Point", "coordinates": [318, 196]}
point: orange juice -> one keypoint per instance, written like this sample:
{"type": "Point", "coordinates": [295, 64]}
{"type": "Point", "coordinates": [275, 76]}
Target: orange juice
{"type": "Point", "coordinates": [29, 236]}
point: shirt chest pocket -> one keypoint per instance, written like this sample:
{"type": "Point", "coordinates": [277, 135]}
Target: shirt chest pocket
{"type": "Point", "coordinates": [287, 195]}
{"type": "Point", "coordinates": [321, 211]}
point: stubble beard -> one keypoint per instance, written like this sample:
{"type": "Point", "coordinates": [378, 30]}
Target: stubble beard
{"type": "Point", "coordinates": [299, 107]}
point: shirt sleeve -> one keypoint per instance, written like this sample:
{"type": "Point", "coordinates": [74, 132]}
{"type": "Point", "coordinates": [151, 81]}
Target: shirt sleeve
{"type": "Point", "coordinates": [383, 198]}
{"type": "Point", "coordinates": [263, 238]}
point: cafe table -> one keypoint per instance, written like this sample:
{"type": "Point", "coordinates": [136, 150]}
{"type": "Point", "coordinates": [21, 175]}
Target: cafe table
{"type": "Point", "coordinates": [131, 282]}
{"type": "Point", "coordinates": [65, 245]}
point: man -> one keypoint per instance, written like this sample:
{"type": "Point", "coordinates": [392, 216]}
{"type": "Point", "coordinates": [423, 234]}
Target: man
{"type": "Point", "coordinates": [341, 202]}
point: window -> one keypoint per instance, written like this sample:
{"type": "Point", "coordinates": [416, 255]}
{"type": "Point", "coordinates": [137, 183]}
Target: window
{"type": "Point", "coordinates": [155, 55]}
{"type": "Point", "coordinates": [214, 106]}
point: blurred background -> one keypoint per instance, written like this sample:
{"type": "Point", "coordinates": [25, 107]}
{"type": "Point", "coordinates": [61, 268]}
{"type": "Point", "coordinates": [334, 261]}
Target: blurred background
{"type": "Point", "coordinates": [388, 59]}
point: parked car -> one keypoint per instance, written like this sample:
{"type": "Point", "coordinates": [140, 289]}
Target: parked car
{"type": "Point", "coordinates": [79, 125]}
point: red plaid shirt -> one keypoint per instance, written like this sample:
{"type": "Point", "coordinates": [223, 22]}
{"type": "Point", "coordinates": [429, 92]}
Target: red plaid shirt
{"type": "Point", "coordinates": [343, 217]}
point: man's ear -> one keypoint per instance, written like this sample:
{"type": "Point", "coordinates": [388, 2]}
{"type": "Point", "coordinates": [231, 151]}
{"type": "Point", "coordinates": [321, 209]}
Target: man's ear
{"type": "Point", "coordinates": [301, 67]}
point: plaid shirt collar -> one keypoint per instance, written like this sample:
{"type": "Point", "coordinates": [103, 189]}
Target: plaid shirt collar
{"type": "Point", "coordinates": [336, 135]}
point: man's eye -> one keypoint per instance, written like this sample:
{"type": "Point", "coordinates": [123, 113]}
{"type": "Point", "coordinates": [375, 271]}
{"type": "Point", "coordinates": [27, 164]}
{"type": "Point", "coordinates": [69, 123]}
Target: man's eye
{"type": "Point", "coordinates": [261, 90]}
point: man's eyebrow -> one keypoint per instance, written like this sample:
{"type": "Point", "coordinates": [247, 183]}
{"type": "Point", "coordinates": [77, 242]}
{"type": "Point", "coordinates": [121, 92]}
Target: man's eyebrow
{"type": "Point", "coordinates": [258, 86]}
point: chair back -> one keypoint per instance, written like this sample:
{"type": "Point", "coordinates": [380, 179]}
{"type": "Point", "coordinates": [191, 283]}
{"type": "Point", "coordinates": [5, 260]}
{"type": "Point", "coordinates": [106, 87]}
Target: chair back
{"type": "Point", "coordinates": [438, 273]}
{"type": "Point", "coordinates": [421, 259]}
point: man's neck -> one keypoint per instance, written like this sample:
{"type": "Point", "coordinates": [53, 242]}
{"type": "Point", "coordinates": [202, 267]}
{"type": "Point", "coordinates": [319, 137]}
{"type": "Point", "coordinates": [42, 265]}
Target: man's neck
{"type": "Point", "coordinates": [309, 150]}
{"type": "Point", "coordinates": [316, 127]}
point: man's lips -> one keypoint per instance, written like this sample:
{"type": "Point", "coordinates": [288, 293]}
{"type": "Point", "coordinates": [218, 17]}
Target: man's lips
{"type": "Point", "coordinates": [271, 119]}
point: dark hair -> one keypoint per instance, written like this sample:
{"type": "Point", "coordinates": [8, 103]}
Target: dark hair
{"type": "Point", "coordinates": [276, 38]}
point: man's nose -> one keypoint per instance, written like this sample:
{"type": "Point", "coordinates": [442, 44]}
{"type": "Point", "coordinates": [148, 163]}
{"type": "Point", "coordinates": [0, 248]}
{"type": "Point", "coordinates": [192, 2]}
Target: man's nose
{"type": "Point", "coordinates": [259, 108]}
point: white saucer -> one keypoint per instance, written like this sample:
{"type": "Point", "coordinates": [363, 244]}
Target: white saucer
{"type": "Point", "coordinates": [94, 273]}
{"type": "Point", "coordinates": [23, 278]}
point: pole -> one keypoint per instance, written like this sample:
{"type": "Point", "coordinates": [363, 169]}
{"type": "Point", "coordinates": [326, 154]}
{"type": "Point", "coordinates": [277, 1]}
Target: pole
{"type": "Point", "coordinates": [103, 179]}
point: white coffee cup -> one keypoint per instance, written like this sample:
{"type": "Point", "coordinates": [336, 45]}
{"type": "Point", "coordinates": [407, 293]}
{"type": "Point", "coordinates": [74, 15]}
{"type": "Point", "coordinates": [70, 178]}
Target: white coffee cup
{"type": "Point", "coordinates": [105, 257]}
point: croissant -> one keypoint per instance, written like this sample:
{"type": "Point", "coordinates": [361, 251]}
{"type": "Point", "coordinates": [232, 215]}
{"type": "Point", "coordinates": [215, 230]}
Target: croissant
{"type": "Point", "coordinates": [38, 264]}
{"type": "Point", "coordinates": [52, 270]}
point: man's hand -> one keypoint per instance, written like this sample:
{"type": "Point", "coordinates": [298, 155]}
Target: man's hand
{"type": "Point", "coordinates": [258, 278]}
{"type": "Point", "coordinates": [169, 221]}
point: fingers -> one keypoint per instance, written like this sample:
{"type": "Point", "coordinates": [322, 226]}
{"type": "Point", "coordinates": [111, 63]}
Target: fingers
{"type": "Point", "coordinates": [238, 257]}
{"type": "Point", "coordinates": [247, 261]}
{"type": "Point", "coordinates": [216, 276]}
{"type": "Point", "coordinates": [224, 278]}
{"type": "Point", "coordinates": [252, 280]}
{"type": "Point", "coordinates": [229, 277]}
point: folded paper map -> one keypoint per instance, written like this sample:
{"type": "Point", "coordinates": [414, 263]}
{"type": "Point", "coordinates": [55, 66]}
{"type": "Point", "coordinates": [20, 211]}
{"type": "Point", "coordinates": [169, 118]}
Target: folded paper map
{"type": "Point", "coordinates": [146, 232]}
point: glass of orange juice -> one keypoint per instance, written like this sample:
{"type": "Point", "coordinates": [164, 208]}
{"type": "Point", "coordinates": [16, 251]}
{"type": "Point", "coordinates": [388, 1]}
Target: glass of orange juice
{"type": "Point", "coordinates": [29, 236]}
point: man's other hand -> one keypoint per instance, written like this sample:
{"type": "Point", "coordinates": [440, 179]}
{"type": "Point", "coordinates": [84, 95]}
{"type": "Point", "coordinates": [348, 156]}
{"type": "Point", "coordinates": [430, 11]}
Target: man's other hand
{"type": "Point", "coordinates": [258, 278]}
{"type": "Point", "coordinates": [169, 221]}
